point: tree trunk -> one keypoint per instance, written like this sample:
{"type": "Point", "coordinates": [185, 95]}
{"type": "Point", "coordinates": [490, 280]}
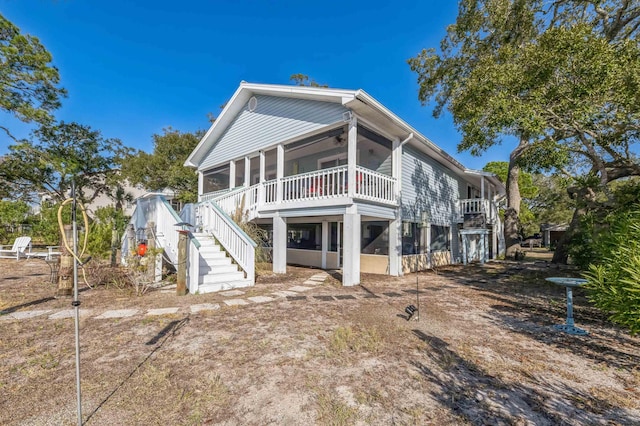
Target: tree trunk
{"type": "Point", "coordinates": [561, 254]}
{"type": "Point", "coordinates": [511, 215]}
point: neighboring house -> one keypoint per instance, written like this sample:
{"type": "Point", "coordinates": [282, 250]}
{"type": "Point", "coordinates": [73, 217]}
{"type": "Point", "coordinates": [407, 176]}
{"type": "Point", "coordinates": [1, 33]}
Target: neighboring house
{"type": "Point", "coordinates": [552, 233]}
{"type": "Point", "coordinates": [340, 182]}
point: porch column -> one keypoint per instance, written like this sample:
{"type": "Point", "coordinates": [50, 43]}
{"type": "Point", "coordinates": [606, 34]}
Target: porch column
{"type": "Point", "coordinates": [351, 241]}
{"type": "Point", "coordinates": [247, 172]}
{"type": "Point", "coordinates": [261, 178]}
{"type": "Point", "coordinates": [482, 187]}
{"type": "Point", "coordinates": [427, 245]}
{"type": "Point", "coordinates": [483, 255]}
{"type": "Point", "coordinates": [279, 171]}
{"type": "Point", "coordinates": [352, 157]}
{"type": "Point", "coordinates": [495, 240]}
{"type": "Point", "coordinates": [263, 166]}
{"type": "Point", "coordinates": [465, 241]}
{"type": "Point", "coordinates": [396, 166]}
{"type": "Point", "coordinates": [325, 243]}
{"type": "Point", "coordinates": [279, 250]}
{"type": "Point", "coordinates": [395, 246]}
{"type": "Point", "coordinates": [232, 174]}
{"type": "Point", "coordinates": [200, 185]}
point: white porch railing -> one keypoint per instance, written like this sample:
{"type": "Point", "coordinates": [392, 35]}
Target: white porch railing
{"type": "Point", "coordinates": [211, 195]}
{"type": "Point", "coordinates": [156, 209]}
{"type": "Point", "coordinates": [234, 240]}
{"type": "Point", "coordinates": [327, 183]}
{"type": "Point", "coordinates": [375, 186]}
{"type": "Point", "coordinates": [478, 205]}
{"type": "Point", "coordinates": [247, 198]}
{"type": "Point", "coordinates": [270, 191]}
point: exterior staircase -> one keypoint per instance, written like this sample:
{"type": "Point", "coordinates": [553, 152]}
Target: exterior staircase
{"type": "Point", "coordinates": [216, 270]}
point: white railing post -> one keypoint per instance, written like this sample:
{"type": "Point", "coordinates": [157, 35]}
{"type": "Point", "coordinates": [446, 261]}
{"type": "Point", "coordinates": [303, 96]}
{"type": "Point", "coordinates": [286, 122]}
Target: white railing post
{"type": "Point", "coordinates": [193, 266]}
{"type": "Point", "coordinates": [279, 172]}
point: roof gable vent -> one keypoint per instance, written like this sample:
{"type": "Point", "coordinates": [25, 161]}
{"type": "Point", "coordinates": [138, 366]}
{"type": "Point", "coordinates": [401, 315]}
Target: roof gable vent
{"type": "Point", "coordinates": [252, 104]}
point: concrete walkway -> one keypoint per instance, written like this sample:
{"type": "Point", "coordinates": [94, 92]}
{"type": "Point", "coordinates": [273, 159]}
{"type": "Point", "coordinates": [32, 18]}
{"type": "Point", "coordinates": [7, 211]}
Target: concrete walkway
{"type": "Point", "coordinates": [232, 298]}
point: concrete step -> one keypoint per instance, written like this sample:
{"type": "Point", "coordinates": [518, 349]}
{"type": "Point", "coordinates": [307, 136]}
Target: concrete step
{"type": "Point", "coordinates": [215, 261]}
{"type": "Point", "coordinates": [227, 285]}
{"type": "Point", "coordinates": [218, 269]}
{"type": "Point", "coordinates": [220, 278]}
{"type": "Point", "coordinates": [211, 255]}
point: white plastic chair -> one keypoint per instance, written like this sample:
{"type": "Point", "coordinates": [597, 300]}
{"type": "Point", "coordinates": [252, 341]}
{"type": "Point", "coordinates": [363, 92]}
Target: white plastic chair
{"type": "Point", "coordinates": [17, 250]}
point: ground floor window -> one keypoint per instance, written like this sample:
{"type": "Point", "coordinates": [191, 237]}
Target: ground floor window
{"type": "Point", "coordinates": [440, 240]}
{"type": "Point", "coordinates": [375, 238]}
{"type": "Point", "coordinates": [306, 236]}
{"type": "Point", "coordinates": [411, 238]}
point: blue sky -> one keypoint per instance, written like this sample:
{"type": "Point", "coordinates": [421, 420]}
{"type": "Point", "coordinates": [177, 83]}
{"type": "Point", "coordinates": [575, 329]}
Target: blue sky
{"type": "Point", "coordinates": [133, 67]}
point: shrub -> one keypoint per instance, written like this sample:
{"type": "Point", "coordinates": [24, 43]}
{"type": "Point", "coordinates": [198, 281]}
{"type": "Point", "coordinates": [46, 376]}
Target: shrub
{"type": "Point", "coordinates": [106, 221]}
{"type": "Point", "coordinates": [614, 271]}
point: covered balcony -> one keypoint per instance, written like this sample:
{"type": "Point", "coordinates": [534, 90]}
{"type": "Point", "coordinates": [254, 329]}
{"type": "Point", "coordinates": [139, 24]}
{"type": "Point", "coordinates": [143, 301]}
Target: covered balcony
{"type": "Point", "coordinates": [337, 166]}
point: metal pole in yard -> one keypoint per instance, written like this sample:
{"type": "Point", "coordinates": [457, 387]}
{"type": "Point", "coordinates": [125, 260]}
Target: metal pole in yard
{"type": "Point", "coordinates": [76, 302]}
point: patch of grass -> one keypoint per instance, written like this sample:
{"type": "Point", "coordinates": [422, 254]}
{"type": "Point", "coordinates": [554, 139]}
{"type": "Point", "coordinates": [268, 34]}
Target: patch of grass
{"type": "Point", "coordinates": [46, 361]}
{"type": "Point", "coordinates": [333, 411]}
{"type": "Point", "coordinates": [346, 339]}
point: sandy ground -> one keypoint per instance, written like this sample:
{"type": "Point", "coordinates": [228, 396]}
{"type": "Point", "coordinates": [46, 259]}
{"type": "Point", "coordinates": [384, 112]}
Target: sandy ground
{"type": "Point", "coordinates": [483, 352]}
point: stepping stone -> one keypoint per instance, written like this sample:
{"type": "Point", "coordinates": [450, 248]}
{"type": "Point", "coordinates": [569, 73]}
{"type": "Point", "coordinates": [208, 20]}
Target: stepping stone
{"type": "Point", "coordinates": [235, 302]}
{"type": "Point", "coordinates": [118, 313]}
{"type": "Point", "coordinates": [70, 313]}
{"type": "Point", "coordinates": [371, 296]}
{"type": "Point", "coordinates": [411, 291]}
{"type": "Point", "coordinates": [311, 282]}
{"type": "Point", "coordinates": [204, 307]}
{"type": "Point", "coordinates": [162, 311]}
{"type": "Point", "coordinates": [260, 299]}
{"type": "Point", "coordinates": [392, 294]}
{"type": "Point", "coordinates": [319, 277]}
{"type": "Point", "coordinates": [24, 314]}
{"type": "Point", "coordinates": [296, 297]}
{"type": "Point", "coordinates": [324, 298]}
{"type": "Point", "coordinates": [284, 293]}
{"type": "Point", "coordinates": [344, 297]}
{"type": "Point", "coordinates": [299, 288]}
{"type": "Point", "coordinates": [232, 293]}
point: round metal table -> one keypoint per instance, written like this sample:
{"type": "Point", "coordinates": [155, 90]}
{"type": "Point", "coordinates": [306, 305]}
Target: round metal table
{"type": "Point", "coordinates": [569, 283]}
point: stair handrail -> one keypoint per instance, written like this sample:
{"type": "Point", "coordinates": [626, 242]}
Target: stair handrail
{"type": "Point", "coordinates": [233, 239]}
{"type": "Point", "coordinates": [243, 195]}
{"type": "Point", "coordinates": [165, 219]}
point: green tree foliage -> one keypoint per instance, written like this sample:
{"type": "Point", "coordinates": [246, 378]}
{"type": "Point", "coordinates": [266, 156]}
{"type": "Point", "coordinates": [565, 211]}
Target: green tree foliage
{"type": "Point", "coordinates": [45, 229]}
{"type": "Point", "coordinates": [12, 214]}
{"type": "Point", "coordinates": [559, 77]}
{"type": "Point", "coordinates": [60, 153]}
{"type": "Point", "coordinates": [105, 222]}
{"type": "Point", "coordinates": [304, 80]}
{"type": "Point", "coordinates": [552, 204]}
{"type": "Point", "coordinates": [614, 273]}
{"type": "Point", "coordinates": [164, 168]}
{"type": "Point", "coordinates": [28, 82]}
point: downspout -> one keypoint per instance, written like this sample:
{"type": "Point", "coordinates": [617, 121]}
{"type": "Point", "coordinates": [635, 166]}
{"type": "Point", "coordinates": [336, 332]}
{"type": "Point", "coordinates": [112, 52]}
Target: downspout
{"type": "Point", "coordinates": [407, 139]}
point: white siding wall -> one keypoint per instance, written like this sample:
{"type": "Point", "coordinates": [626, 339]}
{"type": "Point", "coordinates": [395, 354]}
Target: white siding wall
{"type": "Point", "coordinates": [275, 119]}
{"type": "Point", "coordinates": [429, 186]}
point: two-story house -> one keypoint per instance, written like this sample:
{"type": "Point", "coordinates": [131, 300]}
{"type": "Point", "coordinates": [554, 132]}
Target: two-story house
{"type": "Point", "coordinates": [339, 182]}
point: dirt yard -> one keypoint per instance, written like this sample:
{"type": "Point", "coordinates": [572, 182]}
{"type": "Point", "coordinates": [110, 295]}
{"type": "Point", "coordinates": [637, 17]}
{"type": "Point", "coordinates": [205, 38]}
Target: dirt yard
{"type": "Point", "coordinates": [289, 353]}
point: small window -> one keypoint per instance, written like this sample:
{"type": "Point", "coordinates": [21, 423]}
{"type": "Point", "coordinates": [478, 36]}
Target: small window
{"type": "Point", "coordinates": [440, 238]}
